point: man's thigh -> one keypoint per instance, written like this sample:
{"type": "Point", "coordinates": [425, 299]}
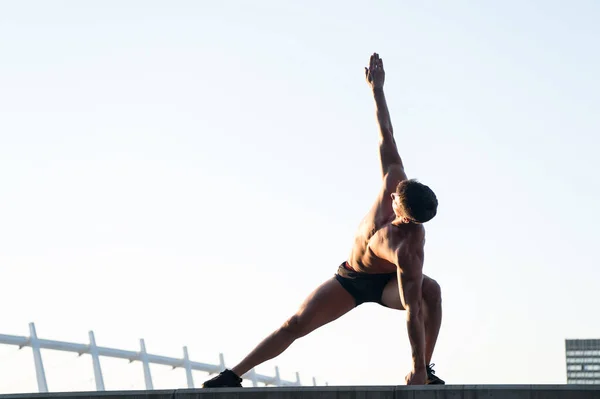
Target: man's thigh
{"type": "Point", "coordinates": [391, 293]}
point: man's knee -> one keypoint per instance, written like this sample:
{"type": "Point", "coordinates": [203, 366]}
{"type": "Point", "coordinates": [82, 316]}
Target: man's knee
{"type": "Point", "coordinates": [432, 292]}
{"type": "Point", "coordinates": [297, 326]}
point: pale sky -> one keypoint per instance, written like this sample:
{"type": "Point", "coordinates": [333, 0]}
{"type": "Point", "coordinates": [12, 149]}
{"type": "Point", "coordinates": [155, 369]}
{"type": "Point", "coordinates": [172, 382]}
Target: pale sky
{"type": "Point", "coordinates": [188, 171]}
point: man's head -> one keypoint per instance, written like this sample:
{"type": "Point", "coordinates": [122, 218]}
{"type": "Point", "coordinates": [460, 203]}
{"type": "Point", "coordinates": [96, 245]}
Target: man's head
{"type": "Point", "coordinates": [414, 202]}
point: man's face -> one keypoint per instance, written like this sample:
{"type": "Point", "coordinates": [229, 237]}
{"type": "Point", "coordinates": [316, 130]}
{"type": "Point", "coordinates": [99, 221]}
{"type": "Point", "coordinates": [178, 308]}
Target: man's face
{"type": "Point", "coordinates": [397, 205]}
{"type": "Point", "coordinates": [399, 209]}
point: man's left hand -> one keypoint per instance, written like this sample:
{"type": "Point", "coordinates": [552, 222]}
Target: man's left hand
{"type": "Point", "coordinates": [375, 74]}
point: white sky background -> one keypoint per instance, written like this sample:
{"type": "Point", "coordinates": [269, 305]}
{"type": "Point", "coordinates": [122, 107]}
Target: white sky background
{"type": "Point", "coordinates": [188, 171]}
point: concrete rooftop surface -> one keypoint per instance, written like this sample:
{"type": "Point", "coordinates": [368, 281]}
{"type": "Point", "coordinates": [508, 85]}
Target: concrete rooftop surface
{"type": "Point", "coordinates": [345, 392]}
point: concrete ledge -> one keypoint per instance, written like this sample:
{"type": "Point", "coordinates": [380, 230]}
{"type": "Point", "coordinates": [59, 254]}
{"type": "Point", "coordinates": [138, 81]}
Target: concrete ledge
{"type": "Point", "coordinates": [347, 392]}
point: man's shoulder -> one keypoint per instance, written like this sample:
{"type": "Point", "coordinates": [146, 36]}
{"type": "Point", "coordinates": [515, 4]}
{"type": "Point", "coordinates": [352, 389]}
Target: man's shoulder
{"type": "Point", "coordinates": [409, 244]}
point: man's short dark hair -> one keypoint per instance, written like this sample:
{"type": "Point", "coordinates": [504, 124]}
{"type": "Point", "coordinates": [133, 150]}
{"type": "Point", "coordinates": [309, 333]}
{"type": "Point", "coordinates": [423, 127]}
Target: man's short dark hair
{"type": "Point", "coordinates": [418, 200]}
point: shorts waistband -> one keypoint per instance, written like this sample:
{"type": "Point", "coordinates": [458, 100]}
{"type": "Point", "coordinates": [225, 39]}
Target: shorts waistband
{"type": "Point", "coordinates": [344, 270]}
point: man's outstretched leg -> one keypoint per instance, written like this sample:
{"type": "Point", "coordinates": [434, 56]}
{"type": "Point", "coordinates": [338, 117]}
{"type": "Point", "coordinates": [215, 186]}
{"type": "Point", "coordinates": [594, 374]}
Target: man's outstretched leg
{"type": "Point", "coordinates": [432, 301]}
{"type": "Point", "coordinates": [326, 303]}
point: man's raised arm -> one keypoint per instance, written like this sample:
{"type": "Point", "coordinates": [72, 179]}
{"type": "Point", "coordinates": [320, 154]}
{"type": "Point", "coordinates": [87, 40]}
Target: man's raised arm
{"type": "Point", "coordinates": [388, 152]}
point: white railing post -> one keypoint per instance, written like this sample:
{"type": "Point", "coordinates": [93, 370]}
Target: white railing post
{"type": "Point", "coordinates": [37, 359]}
{"type": "Point", "coordinates": [253, 378]}
{"type": "Point", "coordinates": [298, 379]}
{"type": "Point", "coordinates": [188, 368]}
{"type": "Point", "coordinates": [96, 362]}
{"type": "Point", "coordinates": [221, 361]}
{"type": "Point", "coordinates": [146, 363]}
{"type": "Point", "coordinates": [277, 377]}
{"type": "Point", "coordinates": [314, 382]}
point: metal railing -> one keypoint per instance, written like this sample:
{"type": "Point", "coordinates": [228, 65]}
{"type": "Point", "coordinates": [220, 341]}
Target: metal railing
{"type": "Point", "coordinates": [146, 358]}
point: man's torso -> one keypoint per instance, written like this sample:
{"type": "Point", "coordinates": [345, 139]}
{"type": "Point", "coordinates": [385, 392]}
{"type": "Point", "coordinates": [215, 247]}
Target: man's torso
{"type": "Point", "coordinates": [377, 239]}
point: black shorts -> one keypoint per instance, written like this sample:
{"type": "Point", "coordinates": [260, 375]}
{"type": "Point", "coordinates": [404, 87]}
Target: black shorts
{"type": "Point", "coordinates": [364, 287]}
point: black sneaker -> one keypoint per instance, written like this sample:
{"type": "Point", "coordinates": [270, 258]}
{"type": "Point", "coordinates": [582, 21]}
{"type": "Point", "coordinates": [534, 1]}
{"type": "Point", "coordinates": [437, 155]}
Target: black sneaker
{"type": "Point", "coordinates": [225, 379]}
{"type": "Point", "coordinates": [432, 379]}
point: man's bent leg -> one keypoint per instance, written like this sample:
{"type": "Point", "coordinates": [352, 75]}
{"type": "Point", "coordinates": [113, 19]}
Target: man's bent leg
{"type": "Point", "coordinates": [326, 303]}
{"type": "Point", "coordinates": [432, 298]}
{"type": "Point", "coordinates": [432, 301]}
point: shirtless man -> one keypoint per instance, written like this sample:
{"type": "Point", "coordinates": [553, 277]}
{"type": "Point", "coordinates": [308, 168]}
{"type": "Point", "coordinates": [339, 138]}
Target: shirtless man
{"type": "Point", "coordinates": [385, 265]}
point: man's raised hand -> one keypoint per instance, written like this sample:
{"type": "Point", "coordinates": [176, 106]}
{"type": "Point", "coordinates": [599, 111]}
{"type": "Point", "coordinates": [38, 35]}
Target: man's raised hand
{"type": "Point", "coordinates": [375, 74]}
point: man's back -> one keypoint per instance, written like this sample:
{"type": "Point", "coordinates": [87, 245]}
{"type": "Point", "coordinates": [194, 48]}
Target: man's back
{"type": "Point", "coordinates": [378, 241]}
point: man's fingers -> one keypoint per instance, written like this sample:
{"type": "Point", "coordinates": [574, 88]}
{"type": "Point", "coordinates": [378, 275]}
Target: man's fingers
{"type": "Point", "coordinates": [375, 64]}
